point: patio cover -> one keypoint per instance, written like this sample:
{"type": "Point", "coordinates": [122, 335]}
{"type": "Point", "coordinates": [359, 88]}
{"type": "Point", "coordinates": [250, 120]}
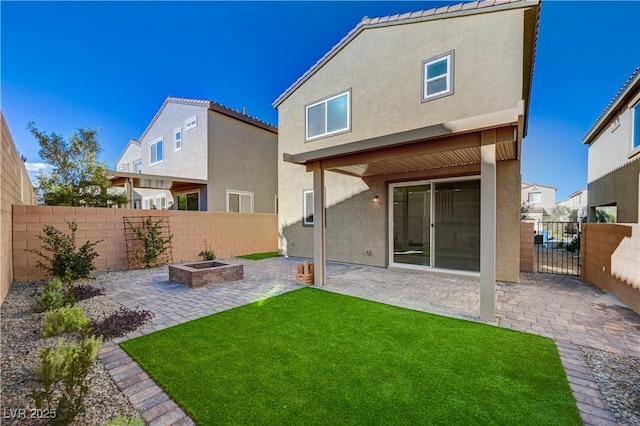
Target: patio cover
{"type": "Point", "coordinates": [139, 180]}
{"type": "Point", "coordinates": [477, 140]}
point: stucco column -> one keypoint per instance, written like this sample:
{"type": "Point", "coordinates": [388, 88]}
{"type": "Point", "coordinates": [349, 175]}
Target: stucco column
{"type": "Point", "coordinates": [128, 189]}
{"type": "Point", "coordinates": [488, 225]}
{"type": "Point", "coordinates": [319, 248]}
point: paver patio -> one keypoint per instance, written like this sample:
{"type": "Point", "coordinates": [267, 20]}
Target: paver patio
{"type": "Point", "coordinates": [564, 308]}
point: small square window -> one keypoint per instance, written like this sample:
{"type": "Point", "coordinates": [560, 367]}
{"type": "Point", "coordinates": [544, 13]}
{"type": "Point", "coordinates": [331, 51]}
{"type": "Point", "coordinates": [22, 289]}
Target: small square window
{"type": "Point", "coordinates": [177, 139]}
{"type": "Point", "coordinates": [137, 167]}
{"type": "Point", "coordinates": [534, 197]}
{"type": "Point", "coordinates": [437, 76]}
{"type": "Point", "coordinates": [155, 152]}
{"type": "Point", "coordinates": [329, 116]}
{"type": "Point", "coordinates": [191, 123]}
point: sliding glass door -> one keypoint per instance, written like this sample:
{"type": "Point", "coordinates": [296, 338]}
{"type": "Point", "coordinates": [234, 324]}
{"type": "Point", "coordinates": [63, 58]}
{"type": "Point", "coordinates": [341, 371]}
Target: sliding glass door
{"type": "Point", "coordinates": [435, 224]}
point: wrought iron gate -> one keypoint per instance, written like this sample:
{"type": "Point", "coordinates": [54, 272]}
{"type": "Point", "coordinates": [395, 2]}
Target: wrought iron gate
{"type": "Point", "coordinates": [557, 248]}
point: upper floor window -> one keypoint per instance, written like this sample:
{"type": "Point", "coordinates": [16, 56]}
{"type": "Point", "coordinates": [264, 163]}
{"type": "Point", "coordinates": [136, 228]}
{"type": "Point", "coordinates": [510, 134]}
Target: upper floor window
{"type": "Point", "coordinates": [177, 139]}
{"type": "Point", "coordinates": [137, 166]}
{"type": "Point", "coordinates": [191, 123]}
{"type": "Point", "coordinates": [329, 116]}
{"type": "Point", "coordinates": [239, 201]}
{"type": "Point", "coordinates": [155, 152]}
{"type": "Point", "coordinates": [534, 197]}
{"type": "Point", "coordinates": [636, 126]}
{"type": "Point", "coordinates": [437, 76]}
{"type": "Point", "coordinates": [124, 167]}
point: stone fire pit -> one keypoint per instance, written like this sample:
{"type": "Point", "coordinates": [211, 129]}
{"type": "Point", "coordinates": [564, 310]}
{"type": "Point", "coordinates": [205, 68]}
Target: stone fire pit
{"type": "Point", "coordinates": [198, 274]}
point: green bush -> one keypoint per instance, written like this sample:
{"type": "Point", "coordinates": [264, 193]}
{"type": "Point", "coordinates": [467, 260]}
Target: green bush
{"type": "Point", "coordinates": [52, 297]}
{"type": "Point", "coordinates": [63, 377]}
{"type": "Point", "coordinates": [574, 245]}
{"type": "Point", "coordinates": [65, 261]}
{"type": "Point", "coordinates": [154, 245]}
{"type": "Point", "coordinates": [207, 253]}
{"type": "Point", "coordinates": [125, 421]}
{"type": "Point", "coordinates": [64, 320]}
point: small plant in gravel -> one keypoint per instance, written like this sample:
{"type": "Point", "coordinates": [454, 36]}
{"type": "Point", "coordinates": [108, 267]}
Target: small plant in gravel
{"type": "Point", "coordinates": [125, 421]}
{"type": "Point", "coordinates": [84, 292]}
{"type": "Point", "coordinates": [121, 322]}
{"type": "Point", "coordinates": [64, 320]}
{"type": "Point", "coordinates": [64, 368]}
{"type": "Point", "coordinates": [65, 261]}
{"type": "Point", "coordinates": [52, 297]}
{"type": "Point", "coordinates": [207, 253]}
{"type": "Point", "coordinates": [154, 244]}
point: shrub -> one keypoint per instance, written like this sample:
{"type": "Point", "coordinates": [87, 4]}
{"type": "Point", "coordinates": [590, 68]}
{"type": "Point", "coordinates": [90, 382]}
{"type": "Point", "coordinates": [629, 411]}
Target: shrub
{"type": "Point", "coordinates": [154, 245]}
{"type": "Point", "coordinates": [66, 261]}
{"type": "Point", "coordinates": [64, 320]}
{"type": "Point", "coordinates": [84, 292]}
{"type": "Point", "coordinates": [52, 297]}
{"type": "Point", "coordinates": [574, 245]}
{"type": "Point", "coordinates": [63, 377]}
{"type": "Point", "coordinates": [125, 421]}
{"type": "Point", "coordinates": [207, 253]}
{"type": "Point", "coordinates": [121, 322]}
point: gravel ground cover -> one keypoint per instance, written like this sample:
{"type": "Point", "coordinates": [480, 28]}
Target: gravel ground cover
{"type": "Point", "coordinates": [618, 376]}
{"type": "Point", "coordinates": [21, 345]}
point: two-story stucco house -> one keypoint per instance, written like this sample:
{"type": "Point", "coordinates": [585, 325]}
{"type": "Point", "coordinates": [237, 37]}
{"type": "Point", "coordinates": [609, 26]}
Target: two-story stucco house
{"type": "Point", "coordinates": [200, 155]}
{"type": "Point", "coordinates": [401, 146]}
{"type": "Point", "coordinates": [614, 155]}
{"type": "Point", "coordinates": [537, 200]}
{"type": "Point", "coordinates": [577, 202]}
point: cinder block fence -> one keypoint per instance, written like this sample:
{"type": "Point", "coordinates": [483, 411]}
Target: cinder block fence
{"type": "Point", "coordinates": [228, 234]}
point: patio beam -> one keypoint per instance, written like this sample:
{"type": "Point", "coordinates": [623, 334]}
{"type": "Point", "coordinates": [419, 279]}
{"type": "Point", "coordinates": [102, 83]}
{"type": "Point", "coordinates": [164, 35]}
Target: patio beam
{"type": "Point", "coordinates": [488, 225]}
{"type": "Point", "coordinates": [319, 243]}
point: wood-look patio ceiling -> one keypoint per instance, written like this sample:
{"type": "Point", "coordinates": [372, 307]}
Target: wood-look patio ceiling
{"type": "Point", "coordinates": [140, 180]}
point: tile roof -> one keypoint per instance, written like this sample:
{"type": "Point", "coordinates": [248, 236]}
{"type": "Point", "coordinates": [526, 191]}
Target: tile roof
{"type": "Point", "coordinates": [213, 106]}
{"type": "Point", "coordinates": [443, 12]}
{"type": "Point", "coordinates": [635, 77]}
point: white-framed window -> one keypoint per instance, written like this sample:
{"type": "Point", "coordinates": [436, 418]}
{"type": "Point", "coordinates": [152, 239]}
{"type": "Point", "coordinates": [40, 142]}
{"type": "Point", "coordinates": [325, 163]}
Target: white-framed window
{"type": "Point", "coordinates": [636, 127]}
{"type": "Point", "coordinates": [124, 167]}
{"type": "Point", "coordinates": [188, 201]}
{"type": "Point", "coordinates": [534, 197]}
{"type": "Point", "coordinates": [328, 116]}
{"type": "Point", "coordinates": [239, 201]}
{"type": "Point", "coordinates": [137, 166]}
{"type": "Point", "coordinates": [177, 139]}
{"type": "Point", "coordinates": [155, 152]}
{"type": "Point", "coordinates": [437, 76]}
{"type": "Point", "coordinates": [191, 123]}
{"type": "Point", "coordinates": [307, 207]}
{"type": "Point", "coordinates": [155, 202]}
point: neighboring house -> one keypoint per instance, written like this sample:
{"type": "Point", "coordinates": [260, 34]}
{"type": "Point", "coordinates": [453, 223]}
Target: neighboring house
{"type": "Point", "coordinates": [130, 161]}
{"type": "Point", "coordinates": [200, 155]}
{"type": "Point", "coordinates": [401, 147]}
{"type": "Point", "coordinates": [577, 202]}
{"type": "Point", "coordinates": [614, 155]}
{"type": "Point", "coordinates": [537, 200]}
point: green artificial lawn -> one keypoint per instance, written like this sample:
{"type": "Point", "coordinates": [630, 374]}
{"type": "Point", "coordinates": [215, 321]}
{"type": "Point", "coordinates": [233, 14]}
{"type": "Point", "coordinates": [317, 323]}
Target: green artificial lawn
{"type": "Point", "coordinates": [259, 256]}
{"type": "Point", "coordinates": [315, 357]}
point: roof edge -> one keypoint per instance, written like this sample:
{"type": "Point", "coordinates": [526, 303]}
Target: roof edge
{"type": "Point", "coordinates": [445, 12]}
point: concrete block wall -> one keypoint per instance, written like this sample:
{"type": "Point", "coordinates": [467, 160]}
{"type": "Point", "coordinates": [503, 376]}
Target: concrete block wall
{"type": "Point", "coordinates": [228, 234]}
{"type": "Point", "coordinates": [526, 246]}
{"type": "Point", "coordinates": [15, 189]}
{"type": "Point", "coordinates": [610, 259]}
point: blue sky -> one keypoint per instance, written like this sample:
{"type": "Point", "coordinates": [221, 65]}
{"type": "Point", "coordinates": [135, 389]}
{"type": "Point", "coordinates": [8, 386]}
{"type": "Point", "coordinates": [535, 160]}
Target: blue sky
{"type": "Point", "coordinates": [110, 65]}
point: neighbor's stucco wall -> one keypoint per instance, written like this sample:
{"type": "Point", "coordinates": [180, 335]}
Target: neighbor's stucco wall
{"type": "Point", "coordinates": [131, 154]}
{"type": "Point", "coordinates": [15, 189]}
{"type": "Point", "coordinates": [547, 196]}
{"type": "Point", "coordinates": [619, 187]}
{"type": "Point", "coordinates": [228, 234]}
{"type": "Point", "coordinates": [611, 148]}
{"type": "Point", "coordinates": [241, 157]}
{"type": "Point", "coordinates": [191, 160]}
{"type": "Point", "coordinates": [382, 67]}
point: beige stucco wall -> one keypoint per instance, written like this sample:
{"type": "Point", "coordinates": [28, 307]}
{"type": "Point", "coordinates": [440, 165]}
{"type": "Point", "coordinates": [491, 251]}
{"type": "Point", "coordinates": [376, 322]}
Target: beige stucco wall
{"type": "Point", "coordinates": [15, 189]}
{"type": "Point", "coordinates": [131, 154]}
{"type": "Point", "coordinates": [547, 195]}
{"type": "Point", "coordinates": [620, 187]}
{"type": "Point", "coordinates": [241, 157]}
{"type": "Point", "coordinates": [612, 147]}
{"type": "Point", "coordinates": [382, 67]}
{"type": "Point", "coordinates": [610, 259]}
{"type": "Point", "coordinates": [228, 234]}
